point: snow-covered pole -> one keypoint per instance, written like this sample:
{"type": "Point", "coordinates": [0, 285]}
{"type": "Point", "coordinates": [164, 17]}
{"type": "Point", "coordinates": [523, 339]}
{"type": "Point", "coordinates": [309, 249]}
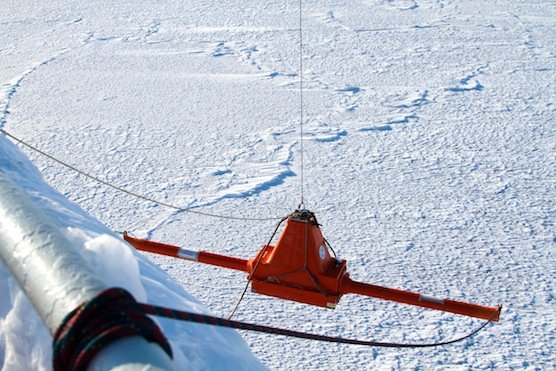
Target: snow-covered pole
{"type": "Point", "coordinates": [56, 278]}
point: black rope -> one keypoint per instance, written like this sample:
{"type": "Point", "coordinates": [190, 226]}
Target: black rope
{"type": "Point", "coordinates": [123, 190]}
{"type": "Point", "coordinates": [222, 322]}
{"type": "Point", "coordinates": [255, 269]}
{"type": "Point", "coordinates": [112, 315]}
{"type": "Point", "coordinates": [330, 247]}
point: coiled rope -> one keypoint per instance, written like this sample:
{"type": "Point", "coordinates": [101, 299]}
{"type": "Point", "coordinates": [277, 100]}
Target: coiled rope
{"type": "Point", "coordinates": [111, 315]}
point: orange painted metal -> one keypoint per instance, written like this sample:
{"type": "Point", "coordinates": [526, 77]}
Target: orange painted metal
{"type": "Point", "coordinates": [223, 261]}
{"type": "Point", "coordinates": [152, 246]}
{"type": "Point", "coordinates": [177, 252]}
{"type": "Point", "coordinates": [300, 268]}
{"type": "Point", "coordinates": [407, 297]}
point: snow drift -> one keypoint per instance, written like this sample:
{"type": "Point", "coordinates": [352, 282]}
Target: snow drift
{"type": "Point", "coordinates": [25, 343]}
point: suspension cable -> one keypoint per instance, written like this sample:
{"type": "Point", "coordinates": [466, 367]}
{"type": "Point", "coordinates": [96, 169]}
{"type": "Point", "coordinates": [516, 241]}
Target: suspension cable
{"type": "Point", "coordinates": [123, 190]}
{"type": "Point", "coordinates": [302, 180]}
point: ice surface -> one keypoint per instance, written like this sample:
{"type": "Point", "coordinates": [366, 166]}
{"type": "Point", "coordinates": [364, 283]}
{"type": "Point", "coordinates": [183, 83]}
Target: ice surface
{"type": "Point", "coordinates": [430, 160]}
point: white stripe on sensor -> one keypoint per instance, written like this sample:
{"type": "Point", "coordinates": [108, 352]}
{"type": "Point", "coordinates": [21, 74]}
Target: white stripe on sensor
{"type": "Point", "coordinates": [431, 299]}
{"type": "Point", "coordinates": [188, 254]}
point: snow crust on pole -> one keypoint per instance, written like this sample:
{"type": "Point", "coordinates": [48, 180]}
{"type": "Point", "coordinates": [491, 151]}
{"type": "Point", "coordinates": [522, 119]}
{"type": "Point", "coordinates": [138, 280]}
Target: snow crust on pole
{"type": "Point", "coordinates": [56, 278]}
{"type": "Point", "coordinates": [53, 275]}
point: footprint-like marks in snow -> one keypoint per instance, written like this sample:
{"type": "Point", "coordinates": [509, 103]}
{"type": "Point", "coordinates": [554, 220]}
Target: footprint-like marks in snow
{"type": "Point", "coordinates": [275, 74]}
{"type": "Point", "coordinates": [260, 162]}
{"type": "Point", "coordinates": [330, 18]}
{"type": "Point", "coordinates": [349, 89]}
{"type": "Point", "coordinates": [409, 101]}
{"type": "Point", "coordinates": [399, 4]}
{"type": "Point", "coordinates": [321, 132]}
{"type": "Point", "coordinates": [401, 107]}
{"type": "Point", "coordinates": [388, 124]}
{"type": "Point", "coordinates": [249, 53]}
{"type": "Point", "coordinates": [468, 83]}
{"type": "Point", "coordinates": [221, 49]}
{"type": "Point", "coordinates": [219, 172]}
{"type": "Point", "coordinates": [349, 100]}
{"type": "Point", "coordinates": [377, 128]}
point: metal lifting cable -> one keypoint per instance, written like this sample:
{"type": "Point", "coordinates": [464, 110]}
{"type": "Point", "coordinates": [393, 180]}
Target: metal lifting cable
{"type": "Point", "coordinates": [302, 180]}
{"type": "Point", "coordinates": [123, 190]}
{"type": "Point", "coordinates": [302, 201]}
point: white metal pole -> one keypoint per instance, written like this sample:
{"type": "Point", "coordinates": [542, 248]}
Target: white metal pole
{"type": "Point", "coordinates": [56, 278]}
